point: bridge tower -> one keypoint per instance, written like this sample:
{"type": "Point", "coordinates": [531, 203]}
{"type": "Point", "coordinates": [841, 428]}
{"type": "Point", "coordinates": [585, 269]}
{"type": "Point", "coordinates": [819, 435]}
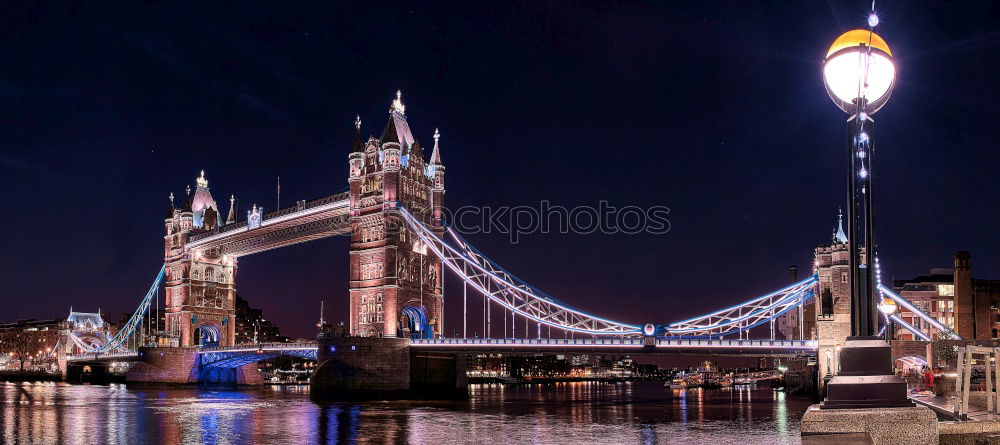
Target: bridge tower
{"type": "Point", "coordinates": [200, 283]}
{"type": "Point", "coordinates": [395, 283]}
{"type": "Point", "coordinates": [832, 305]}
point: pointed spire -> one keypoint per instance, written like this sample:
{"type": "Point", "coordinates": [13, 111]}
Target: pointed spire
{"type": "Point", "coordinates": [397, 104]}
{"type": "Point", "coordinates": [840, 237]}
{"type": "Point", "coordinates": [201, 181]}
{"type": "Point", "coordinates": [436, 153]}
{"type": "Point", "coordinates": [170, 208]}
{"type": "Point", "coordinates": [187, 200]}
{"type": "Point", "coordinates": [389, 134]}
{"type": "Point", "coordinates": [357, 147]}
{"type": "Point", "coordinates": [232, 210]}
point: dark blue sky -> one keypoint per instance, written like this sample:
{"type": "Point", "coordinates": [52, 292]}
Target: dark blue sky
{"type": "Point", "coordinates": [716, 110]}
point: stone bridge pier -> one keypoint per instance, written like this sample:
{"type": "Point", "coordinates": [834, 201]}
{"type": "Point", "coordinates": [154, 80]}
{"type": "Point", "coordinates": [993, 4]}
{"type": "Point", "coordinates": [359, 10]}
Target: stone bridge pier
{"type": "Point", "coordinates": [386, 368]}
{"type": "Point", "coordinates": [181, 366]}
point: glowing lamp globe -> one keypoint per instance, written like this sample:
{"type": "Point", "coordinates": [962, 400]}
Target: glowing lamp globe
{"type": "Point", "coordinates": [887, 306]}
{"type": "Point", "coordinates": [859, 64]}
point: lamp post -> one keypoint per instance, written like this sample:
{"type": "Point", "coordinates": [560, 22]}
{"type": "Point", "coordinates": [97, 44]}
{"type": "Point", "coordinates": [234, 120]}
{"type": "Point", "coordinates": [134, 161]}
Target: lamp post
{"type": "Point", "coordinates": [859, 75]}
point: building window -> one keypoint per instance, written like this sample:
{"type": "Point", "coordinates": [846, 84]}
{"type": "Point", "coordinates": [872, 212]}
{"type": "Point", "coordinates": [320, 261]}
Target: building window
{"type": "Point", "coordinates": [826, 299]}
{"type": "Point", "coordinates": [843, 277]}
{"type": "Point", "coordinates": [946, 290]}
{"type": "Point", "coordinates": [209, 274]}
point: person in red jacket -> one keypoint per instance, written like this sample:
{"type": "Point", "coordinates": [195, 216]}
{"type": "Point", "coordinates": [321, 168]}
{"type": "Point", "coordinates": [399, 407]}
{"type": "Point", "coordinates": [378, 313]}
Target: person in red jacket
{"type": "Point", "coordinates": [928, 379]}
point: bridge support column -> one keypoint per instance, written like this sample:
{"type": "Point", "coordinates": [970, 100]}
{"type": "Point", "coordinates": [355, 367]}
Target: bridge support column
{"type": "Point", "coordinates": [95, 372]}
{"type": "Point", "coordinates": [831, 335]}
{"type": "Point", "coordinates": [385, 368]}
{"type": "Point", "coordinates": [164, 366]}
{"type": "Point", "coordinates": [246, 375]}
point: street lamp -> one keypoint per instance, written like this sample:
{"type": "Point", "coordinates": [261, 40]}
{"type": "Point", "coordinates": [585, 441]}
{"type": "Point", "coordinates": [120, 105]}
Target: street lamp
{"type": "Point", "coordinates": [887, 307]}
{"type": "Point", "coordinates": [859, 76]}
{"type": "Point", "coordinates": [859, 66]}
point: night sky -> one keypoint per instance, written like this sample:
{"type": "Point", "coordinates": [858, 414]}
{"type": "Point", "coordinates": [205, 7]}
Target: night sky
{"type": "Point", "coordinates": [715, 110]}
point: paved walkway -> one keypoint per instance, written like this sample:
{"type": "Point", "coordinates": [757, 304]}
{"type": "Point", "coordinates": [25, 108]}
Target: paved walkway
{"type": "Point", "coordinates": [946, 406]}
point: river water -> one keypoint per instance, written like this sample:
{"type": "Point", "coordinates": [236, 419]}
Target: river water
{"type": "Point", "coordinates": [562, 413]}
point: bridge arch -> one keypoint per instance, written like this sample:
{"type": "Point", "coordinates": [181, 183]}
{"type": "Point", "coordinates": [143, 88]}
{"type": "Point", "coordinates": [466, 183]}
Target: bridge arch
{"type": "Point", "coordinates": [207, 335]}
{"type": "Point", "coordinates": [414, 320]}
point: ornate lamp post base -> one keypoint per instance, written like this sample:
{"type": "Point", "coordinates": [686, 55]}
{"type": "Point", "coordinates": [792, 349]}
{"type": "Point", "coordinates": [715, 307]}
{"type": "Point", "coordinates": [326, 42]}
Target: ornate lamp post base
{"type": "Point", "coordinates": [866, 379]}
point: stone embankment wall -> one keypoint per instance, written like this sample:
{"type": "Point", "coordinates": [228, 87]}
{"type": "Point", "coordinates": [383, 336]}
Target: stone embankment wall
{"type": "Point", "coordinates": [164, 365]}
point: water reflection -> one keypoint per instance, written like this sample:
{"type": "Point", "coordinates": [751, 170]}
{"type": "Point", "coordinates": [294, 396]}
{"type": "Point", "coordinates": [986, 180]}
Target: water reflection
{"type": "Point", "coordinates": [557, 413]}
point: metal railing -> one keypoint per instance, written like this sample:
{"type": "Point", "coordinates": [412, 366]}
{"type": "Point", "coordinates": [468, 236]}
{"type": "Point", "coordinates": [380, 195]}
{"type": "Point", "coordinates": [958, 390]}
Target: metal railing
{"type": "Point", "coordinates": [102, 355]}
{"type": "Point", "coordinates": [297, 207]}
{"type": "Point", "coordinates": [804, 345]}
{"type": "Point", "coordinates": [250, 347]}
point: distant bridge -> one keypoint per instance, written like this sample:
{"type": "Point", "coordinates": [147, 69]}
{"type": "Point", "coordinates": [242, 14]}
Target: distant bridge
{"type": "Point", "coordinates": [239, 355]}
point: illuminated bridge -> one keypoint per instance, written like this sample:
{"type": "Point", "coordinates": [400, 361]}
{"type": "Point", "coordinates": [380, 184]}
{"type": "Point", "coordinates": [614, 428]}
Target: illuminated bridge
{"type": "Point", "coordinates": [400, 248]}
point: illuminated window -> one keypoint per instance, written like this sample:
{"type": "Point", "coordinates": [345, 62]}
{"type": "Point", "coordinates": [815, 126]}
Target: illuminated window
{"type": "Point", "coordinates": [946, 290]}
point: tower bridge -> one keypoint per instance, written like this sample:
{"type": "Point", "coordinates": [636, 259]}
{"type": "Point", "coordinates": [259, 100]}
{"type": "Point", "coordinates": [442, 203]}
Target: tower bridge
{"type": "Point", "coordinates": [400, 248]}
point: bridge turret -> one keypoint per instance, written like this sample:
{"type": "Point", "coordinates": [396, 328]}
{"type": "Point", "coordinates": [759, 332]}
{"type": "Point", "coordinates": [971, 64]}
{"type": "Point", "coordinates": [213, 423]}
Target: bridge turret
{"type": "Point", "coordinates": [356, 161]}
{"type": "Point", "coordinates": [170, 208]}
{"type": "Point", "coordinates": [169, 218]}
{"type": "Point", "coordinates": [205, 212]}
{"type": "Point", "coordinates": [232, 210]}
{"type": "Point", "coordinates": [171, 225]}
{"type": "Point", "coordinates": [186, 215]}
{"type": "Point", "coordinates": [357, 151]}
{"type": "Point", "coordinates": [391, 158]}
{"type": "Point", "coordinates": [436, 171]}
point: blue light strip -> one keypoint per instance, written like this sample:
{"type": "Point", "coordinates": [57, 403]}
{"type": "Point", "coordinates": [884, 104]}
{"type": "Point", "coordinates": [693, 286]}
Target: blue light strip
{"type": "Point", "coordinates": [809, 280]}
{"type": "Point", "coordinates": [465, 243]}
{"type": "Point", "coordinates": [133, 321]}
{"type": "Point", "coordinates": [420, 231]}
{"type": "Point", "coordinates": [138, 315]}
{"type": "Point", "coordinates": [783, 301]}
{"type": "Point", "coordinates": [910, 307]}
{"type": "Point", "coordinates": [531, 292]}
{"type": "Point", "coordinates": [802, 294]}
{"type": "Point", "coordinates": [806, 296]}
{"type": "Point", "coordinates": [896, 318]}
{"type": "Point", "coordinates": [795, 294]}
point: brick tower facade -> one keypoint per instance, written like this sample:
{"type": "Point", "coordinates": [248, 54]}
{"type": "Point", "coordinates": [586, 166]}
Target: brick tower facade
{"type": "Point", "coordinates": [395, 281]}
{"type": "Point", "coordinates": [977, 302]}
{"type": "Point", "coordinates": [965, 313]}
{"type": "Point", "coordinates": [832, 304]}
{"type": "Point", "coordinates": [199, 284]}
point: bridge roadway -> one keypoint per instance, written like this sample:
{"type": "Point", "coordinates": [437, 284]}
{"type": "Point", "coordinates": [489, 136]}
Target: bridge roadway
{"type": "Point", "coordinates": [229, 356]}
{"type": "Point", "coordinates": [644, 345]}
{"type": "Point", "coordinates": [301, 222]}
